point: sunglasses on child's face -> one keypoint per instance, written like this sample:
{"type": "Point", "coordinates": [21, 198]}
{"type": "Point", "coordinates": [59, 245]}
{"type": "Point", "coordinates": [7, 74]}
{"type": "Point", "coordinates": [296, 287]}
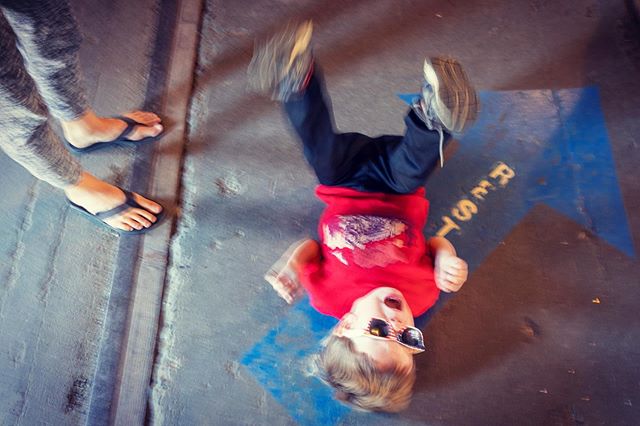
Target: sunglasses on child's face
{"type": "Point", "coordinates": [409, 337]}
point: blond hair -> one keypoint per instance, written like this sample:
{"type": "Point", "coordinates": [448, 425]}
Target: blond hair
{"type": "Point", "coordinates": [357, 382]}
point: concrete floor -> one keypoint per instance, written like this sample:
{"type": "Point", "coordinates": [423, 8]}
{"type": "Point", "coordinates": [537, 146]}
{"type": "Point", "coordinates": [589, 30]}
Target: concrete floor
{"type": "Point", "coordinates": [525, 342]}
{"type": "Point", "coordinates": [65, 283]}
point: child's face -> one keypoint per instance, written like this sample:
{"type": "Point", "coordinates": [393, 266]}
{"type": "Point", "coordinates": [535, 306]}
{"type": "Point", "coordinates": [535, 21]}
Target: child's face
{"type": "Point", "coordinates": [387, 304]}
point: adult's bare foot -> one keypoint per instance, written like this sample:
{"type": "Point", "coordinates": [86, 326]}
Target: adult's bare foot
{"type": "Point", "coordinates": [90, 129]}
{"type": "Point", "coordinates": [97, 196]}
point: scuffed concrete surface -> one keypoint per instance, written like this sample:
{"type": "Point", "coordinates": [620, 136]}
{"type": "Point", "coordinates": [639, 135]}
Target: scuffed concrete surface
{"type": "Point", "coordinates": [521, 344]}
{"type": "Point", "coordinates": [57, 268]}
{"type": "Point", "coordinates": [51, 321]}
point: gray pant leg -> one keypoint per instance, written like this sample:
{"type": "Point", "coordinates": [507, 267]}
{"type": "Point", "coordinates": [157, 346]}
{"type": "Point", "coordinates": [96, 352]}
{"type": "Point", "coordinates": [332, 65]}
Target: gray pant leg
{"type": "Point", "coordinates": [49, 40]}
{"type": "Point", "coordinates": [25, 134]}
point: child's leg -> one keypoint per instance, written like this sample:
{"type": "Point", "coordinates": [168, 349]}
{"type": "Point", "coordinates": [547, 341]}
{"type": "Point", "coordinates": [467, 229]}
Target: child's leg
{"type": "Point", "coordinates": [405, 164]}
{"type": "Point", "coordinates": [335, 157]}
{"type": "Point", "coordinates": [283, 67]}
{"type": "Point", "coordinates": [393, 164]}
{"type": "Point", "coordinates": [386, 164]}
{"type": "Point", "coordinates": [448, 104]}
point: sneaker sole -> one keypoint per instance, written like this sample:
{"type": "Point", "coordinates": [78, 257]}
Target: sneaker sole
{"type": "Point", "coordinates": [456, 100]}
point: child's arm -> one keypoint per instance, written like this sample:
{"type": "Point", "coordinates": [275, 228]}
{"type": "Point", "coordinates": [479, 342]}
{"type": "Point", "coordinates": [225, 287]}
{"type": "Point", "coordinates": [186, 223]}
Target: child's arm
{"type": "Point", "coordinates": [450, 271]}
{"type": "Point", "coordinates": [283, 275]}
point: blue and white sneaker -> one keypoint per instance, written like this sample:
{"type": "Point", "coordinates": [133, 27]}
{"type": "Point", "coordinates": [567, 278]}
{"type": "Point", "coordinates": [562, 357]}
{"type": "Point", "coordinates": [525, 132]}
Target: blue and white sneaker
{"type": "Point", "coordinates": [448, 101]}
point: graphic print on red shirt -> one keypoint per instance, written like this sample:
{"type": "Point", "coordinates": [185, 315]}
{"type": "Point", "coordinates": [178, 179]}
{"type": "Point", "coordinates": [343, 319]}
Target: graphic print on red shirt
{"type": "Point", "coordinates": [365, 241]}
{"type": "Point", "coordinates": [370, 240]}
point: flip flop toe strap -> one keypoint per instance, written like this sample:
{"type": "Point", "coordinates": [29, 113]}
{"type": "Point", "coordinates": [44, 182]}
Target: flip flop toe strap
{"type": "Point", "coordinates": [128, 203]}
{"type": "Point", "coordinates": [131, 123]}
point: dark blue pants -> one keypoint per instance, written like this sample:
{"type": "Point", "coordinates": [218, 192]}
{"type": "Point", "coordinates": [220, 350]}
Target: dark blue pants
{"type": "Point", "coordinates": [388, 163]}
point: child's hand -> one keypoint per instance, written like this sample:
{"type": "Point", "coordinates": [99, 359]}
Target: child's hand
{"type": "Point", "coordinates": [450, 272]}
{"type": "Point", "coordinates": [284, 280]}
{"type": "Point", "coordinates": [283, 275]}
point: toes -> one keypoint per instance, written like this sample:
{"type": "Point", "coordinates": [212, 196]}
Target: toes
{"type": "Point", "coordinates": [147, 204]}
{"type": "Point", "coordinates": [145, 216]}
{"type": "Point", "coordinates": [144, 117]}
{"type": "Point", "coordinates": [119, 224]}
{"type": "Point", "coordinates": [124, 224]}
{"type": "Point", "coordinates": [150, 125]}
{"type": "Point", "coordinates": [140, 132]}
{"type": "Point", "coordinates": [132, 220]}
{"type": "Point", "coordinates": [136, 216]}
{"type": "Point", "coordinates": [132, 223]}
{"type": "Point", "coordinates": [154, 130]}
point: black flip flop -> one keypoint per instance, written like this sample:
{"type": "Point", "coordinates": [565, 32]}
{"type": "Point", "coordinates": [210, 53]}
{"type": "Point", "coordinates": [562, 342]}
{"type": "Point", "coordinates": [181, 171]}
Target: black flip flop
{"type": "Point", "coordinates": [120, 140]}
{"type": "Point", "coordinates": [129, 203]}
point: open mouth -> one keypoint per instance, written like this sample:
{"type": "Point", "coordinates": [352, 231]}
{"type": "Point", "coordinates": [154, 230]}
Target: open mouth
{"type": "Point", "coordinates": [393, 302]}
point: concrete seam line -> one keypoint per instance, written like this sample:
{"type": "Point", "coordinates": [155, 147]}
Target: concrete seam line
{"type": "Point", "coordinates": [139, 347]}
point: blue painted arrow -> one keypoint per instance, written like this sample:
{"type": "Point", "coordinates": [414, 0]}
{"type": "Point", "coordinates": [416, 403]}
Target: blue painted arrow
{"type": "Point", "coordinates": [555, 144]}
{"type": "Point", "coordinates": [283, 363]}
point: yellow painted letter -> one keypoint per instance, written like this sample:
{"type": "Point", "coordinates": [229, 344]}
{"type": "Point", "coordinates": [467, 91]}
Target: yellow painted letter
{"type": "Point", "coordinates": [503, 172]}
{"type": "Point", "coordinates": [481, 189]}
{"type": "Point", "coordinates": [447, 227]}
{"type": "Point", "coordinates": [465, 210]}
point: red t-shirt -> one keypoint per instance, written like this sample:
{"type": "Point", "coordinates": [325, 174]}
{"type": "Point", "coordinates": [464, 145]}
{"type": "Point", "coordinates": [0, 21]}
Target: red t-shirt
{"type": "Point", "coordinates": [370, 240]}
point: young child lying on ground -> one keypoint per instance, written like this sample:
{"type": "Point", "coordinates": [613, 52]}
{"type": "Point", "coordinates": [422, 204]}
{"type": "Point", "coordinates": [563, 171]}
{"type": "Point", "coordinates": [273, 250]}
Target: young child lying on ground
{"type": "Point", "coordinates": [372, 268]}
